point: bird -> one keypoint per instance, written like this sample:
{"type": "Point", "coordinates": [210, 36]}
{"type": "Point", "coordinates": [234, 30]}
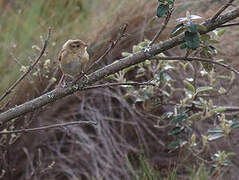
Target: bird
{"type": "Point", "coordinates": [73, 58]}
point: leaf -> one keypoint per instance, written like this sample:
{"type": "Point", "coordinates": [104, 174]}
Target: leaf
{"type": "Point", "coordinates": [136, 48]}
{"type": "Point", "coordinates": [204, 89]}
{"type": "Point", "coordinates": [162, 10]}
{"type": "Point", "coordinates": [195, 116]}
{"type": "Point", "coordinates": [215, 130]}
{"type": "Point", "coordinates": [219, 110]}
{"type": "Point", "coordinates": [183, 46]}
{"type": "Point", "coordinates": [171, 2]}
{"type": "Point", "coordinates": [205, 37]}
{"type": "Point", "coordinates": [189, 86]}
{"type": "Point", "coordinates": [179, 118]}
{"type": "Point", "coordinates": [192, 27]}
{"type": "Point", "coordinates": [201, 27]}
{"type": "Point", "coordinates": [192, 40]}
{"type": "Point", "coordinates": [235, 125]}
{"type": "Point", "coordinates": [215, 136]}
{"type": "Point", "coordinates": [221, 32]}
{"type": "Point", "coordinates": [176, 130]}
{"type": "Point", "coordinates": [174, 145]}
{"type": "Point", "coordinates": [126, 54]}
{"type": "Point", "coordinates": [212, 169]}
{"type": "Point", "coordinates": [177, 30]}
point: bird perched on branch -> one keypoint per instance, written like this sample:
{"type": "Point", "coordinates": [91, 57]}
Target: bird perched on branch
{"type": "Point", "coordinates": [73, 58]}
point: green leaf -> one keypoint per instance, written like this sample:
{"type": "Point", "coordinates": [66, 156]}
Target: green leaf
{"type": "Point", "coordinates": [189, 86]}
{"type": "Point", "coordinates": [176, 130]}
{"type": "Point", "coordinates": [192, 40]}
{"type": "Point", "coordinates": [215, 130]}
{"type": "Point", "coordinates": [227, 163]}
{"type": "Point", "coordinates": [179, 118]}
{"type": "Point", "coordinates": [183, 46]}
{"type": "Point", "coordinates": [126, 54]}
{"type": "Point", "coordinates": [162, 10]}
{"type": "Point", "coordinates": [174, 145]}
{"type": "Point", "coordinates": [215, 136]}
{"type": "Point", "coordinates": [221, 32]}
{"type": "Point", "coordinates": [177, 30]}
{"type": "Point", "coordinates": [171, 2]}
{"type": "Point", "coordinates": [201, 27]}
{"type": "Point", "coordinates": [235, 125]}
{"type": "Point", "coordinates": [205, 37]}
{"type": "Point", "coordinates": [192, 27]}
{"type": "Point", "coordinates": [212, 169]}
{"type": "Point", "coordinates": [214, 41]}
{"type": "Point", "coordinates": [204, 89]}
{"type": "Point", "coordinates": [219, 110]}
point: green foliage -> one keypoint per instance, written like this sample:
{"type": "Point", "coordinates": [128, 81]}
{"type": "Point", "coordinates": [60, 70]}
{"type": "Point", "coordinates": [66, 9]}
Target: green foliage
{"type": "Point", "coordinates": [193, 105]}
{"type": "Point", "coordinates": [163, 7]}
{"type": "Point", "coordinates": [162, 10]}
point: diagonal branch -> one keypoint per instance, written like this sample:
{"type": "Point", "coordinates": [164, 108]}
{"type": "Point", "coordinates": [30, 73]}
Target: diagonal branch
{"type": "Point", "coordinates": [29, 69]}
{"type": "Point", "coordinates": [116, 66]}
{"type": "Point", "coordinates": [165, 23]}
{"type": "Point", "coordinates": [197, 59]}
{"type": "Point", "coordinates": [221, 10]}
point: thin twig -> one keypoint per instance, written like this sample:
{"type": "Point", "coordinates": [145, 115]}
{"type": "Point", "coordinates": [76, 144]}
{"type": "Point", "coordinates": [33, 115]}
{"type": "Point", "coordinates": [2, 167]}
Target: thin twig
{"type": "Point", "coordinates": [111, 46]}
{"type": "Point", "coordinates": [48, 127]}
{"type": "Point", "coordinates": [165, 23]}
{"type": "Point", "coordinates": [29, 78]}
{"type": "Point", "coordinates": [120, 84]}
{"type": "Point", "coordinates": [229, 25]}
{"type": "Point", "coordinates": [30, 67]}
{"type": "Point", "coordinates": [221, 10]}
{"type": "Point", "coordinates": [51, 83]}
{"type": "Point", "coordinates": [197, 59]}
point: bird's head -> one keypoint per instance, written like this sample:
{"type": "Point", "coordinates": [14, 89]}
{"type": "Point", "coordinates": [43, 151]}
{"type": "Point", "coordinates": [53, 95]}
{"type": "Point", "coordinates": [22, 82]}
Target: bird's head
{"type": "Point", "coordinates": [75, 46]}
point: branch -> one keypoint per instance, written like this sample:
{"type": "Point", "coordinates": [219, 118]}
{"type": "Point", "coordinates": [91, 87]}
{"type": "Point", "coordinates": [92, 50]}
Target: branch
{"type": "Point", "coordinates": [221, 10]}
{"type": "Point", "coordinates": [197, 59]}
{"type": "Point", "coordinates": [229, 24]}
{"type": "Point", "coordinates": [165, 23]}
{"type": "Point", "coordinates": [120, 84]}
{"type": "Point", "coordinates": [29, 69]}
{"type": "Point", "coordinates": [116, 66]}
{"type": "Point", "coordinates": [112, 45]}
{"type": "Point", "coordinates": [48, 127]}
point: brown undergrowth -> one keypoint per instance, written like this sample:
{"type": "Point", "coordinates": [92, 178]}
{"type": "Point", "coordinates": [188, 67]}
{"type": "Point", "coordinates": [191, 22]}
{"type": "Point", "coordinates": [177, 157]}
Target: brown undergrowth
{"type": "Point", "coordinates": [124, 131]}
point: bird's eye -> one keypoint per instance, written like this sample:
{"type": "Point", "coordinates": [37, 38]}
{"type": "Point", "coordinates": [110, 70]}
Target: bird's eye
{"type": "Point", "coordinates": [77, 45]}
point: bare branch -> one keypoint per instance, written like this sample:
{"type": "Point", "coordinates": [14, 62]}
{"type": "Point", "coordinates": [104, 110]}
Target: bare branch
{"type": "Point", "coordinates": [29, 69]}
{"type": "Point", "coordinates": [120, 84]}
{"type": "Point", "coordinates": [221, 10]}
{"type": "Point", "coordinates": [112, 45]}
{"type": "Point", "coordinates": [116, 66]}
{"type": "Point", "coordinates": [198, 59]}
{"type": "Point", "coordinates": [229, 24]}
{"type": "Point", "coordinates": [48, 127]}
{"type": "Point", "coordinates": [165, 23]}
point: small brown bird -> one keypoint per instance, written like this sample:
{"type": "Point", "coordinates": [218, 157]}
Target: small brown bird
{"type": "Point", "coordinates": [73, 58]}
